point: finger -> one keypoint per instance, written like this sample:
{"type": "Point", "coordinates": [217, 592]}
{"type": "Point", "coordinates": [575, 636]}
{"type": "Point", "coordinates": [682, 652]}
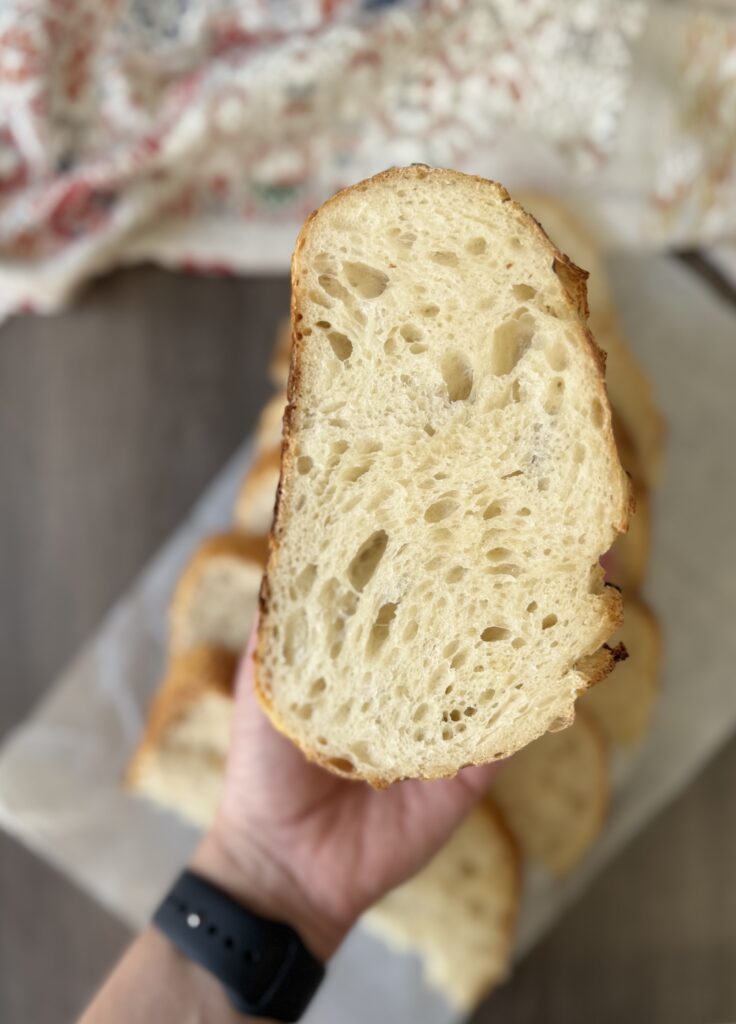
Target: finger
{"type": "Point", "coordinates": [478, 778]}
{"type": "Point", "coordinates": [245, 681]}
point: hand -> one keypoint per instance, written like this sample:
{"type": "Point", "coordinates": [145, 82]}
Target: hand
{"type": "Point", "coordinates": [297, 843]}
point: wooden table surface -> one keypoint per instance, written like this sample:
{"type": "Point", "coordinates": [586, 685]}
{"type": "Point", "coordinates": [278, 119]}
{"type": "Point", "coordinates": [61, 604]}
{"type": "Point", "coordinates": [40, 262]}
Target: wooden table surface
{"type": "Point", "coordinates": [113, 418]}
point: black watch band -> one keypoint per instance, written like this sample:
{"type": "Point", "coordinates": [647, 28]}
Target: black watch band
{"type": "Point", "coordinates": [264, 966]}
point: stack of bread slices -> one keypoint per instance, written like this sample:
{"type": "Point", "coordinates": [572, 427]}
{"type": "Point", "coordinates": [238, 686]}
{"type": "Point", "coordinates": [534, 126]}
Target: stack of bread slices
{"type": "Point", "coordinates": [548, 801]}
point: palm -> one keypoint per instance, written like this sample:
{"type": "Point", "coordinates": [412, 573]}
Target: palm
{"type": "Point", "coordinates": [347, 843]}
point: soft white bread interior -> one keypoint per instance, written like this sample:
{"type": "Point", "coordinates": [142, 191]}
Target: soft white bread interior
{"type": "Point", "coordinates": [179, 763]}
{"type": "Point", "coordinates": [623, 705]}
{"type": "Point", "coordinates": [554, 794]}
{"type": "Point", "coordinates": [629, 387]}
{"type": "Point", "coordinates": [254, 504]}
{"type": "Point", "coordinates": [215, 600]}
{"type": "Point", "coordinates": [433, 596]}
{"type": "Point", "coordinates": [458, 913]}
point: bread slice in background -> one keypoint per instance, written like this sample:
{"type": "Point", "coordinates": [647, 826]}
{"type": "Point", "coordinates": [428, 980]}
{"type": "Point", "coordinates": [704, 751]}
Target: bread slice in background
{"type": "Point", "coordinates": [458, 914]}
{"type": "Point", "coordinates": [554, 794]}
{"type": "Point", "coordinates": [268, 431]}
{"type": "Point", "coordinates": [623, 705]}
{"type": "Point", "coordinates": [629, 387]}
{"type": "Point", "coordinates": [278, 368]}
{"type": "Point", "coordinates": [215, 600]}
{"type": "Point", "coordinates": [450, 480]}
{"type": "Point", "coordinates": [254, 504]}
{"type": "Point", "coordinates": [180, 761]}
{"type": "Point", "coordinates": [627, 562]}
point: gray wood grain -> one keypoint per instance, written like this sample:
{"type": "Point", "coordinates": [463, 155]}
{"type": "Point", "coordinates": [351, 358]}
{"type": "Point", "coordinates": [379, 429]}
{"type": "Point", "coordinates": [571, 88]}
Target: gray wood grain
{"type": "Point", "coordinates": [113, 418]}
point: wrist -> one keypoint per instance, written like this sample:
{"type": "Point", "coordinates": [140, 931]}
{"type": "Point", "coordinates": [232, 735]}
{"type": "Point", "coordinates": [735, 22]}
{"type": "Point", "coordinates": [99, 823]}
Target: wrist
{"type": "Point", "coordinates": [260, 883]}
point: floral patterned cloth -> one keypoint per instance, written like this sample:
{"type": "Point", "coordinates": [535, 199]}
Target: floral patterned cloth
{"type": "Point", "coordinates": [199, 133]}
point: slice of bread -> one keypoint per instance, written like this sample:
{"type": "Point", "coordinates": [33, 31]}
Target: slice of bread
{"type": "Point", "coordinates": [629, 387]}
{"type": "Point", "coordinates": [278, 368]}
{"type": "Point", "coordinates": [554, 794]}
{"type": "Point", "coordinates": [215, 600]}
{"type": "Point", "coordinates": [458, 913]}
{"type": "Point", "coordinates": [268, 431]}
{"type": "Point", "coordinates": [255, 501]}
{"type": "Point", "coordinates": [180, 760]}
{"type": "Point", "coordinates": [622, 706]}
{"type": "Point", "coordinates": [433, 596]}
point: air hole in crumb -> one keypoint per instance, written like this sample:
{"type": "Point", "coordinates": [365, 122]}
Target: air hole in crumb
{"type": "Point", "coordinates": [454, 715]}
{"type": "Point", "coordinates": [322, 741]}
{"type": "Point", "coordinates": [324, 324]}
{"type": "Point", "coordinates": [445, 258]}
{"type": "Point", "coordinates": [306, 578]}
{"type": "Point", "coordinates": [318, 686]}
{"type": "Point", "coordinates": [455, 574]}
{"type": "Point", "coordinates": [524, 511]}
{"type": "Point", "coordinates": [543, 484]}
{"type": "Point", "coordinates": [366, 560]}
{"type": "Point", "coordinates": [548, 621]}
{"type": "Point", "coordinates": [476, 246]}
{"type": "Point", "coordinates": [487, 696]}
{"type": "Point", "coordinates": [557, 356]}
{"type": "Point", "coordinates": [304, 464]}
{"type": "Point", "coordinates": [440, 510]}
{"type": "Point", "coordinates": [320, 299]}
{"type": "Point", "coordinates": [596, 413]}
{"type": "Point", "coordinates": [532, 606]}
{"type": "Point", "coordinates": [510, 476]}
{"type": "Point", "coordinates": [410, 630]}
{"type": "Point", "coordinates": [469, 711]}
{"type": "Point", "coordinates": [330, 284]}
{"type": "Point", "coordinates": [430, 310]}
{"type": "Point", "coordinates": [498, 554]}
{"type": "Point", "coordinates": [459, 660]}
{"type": "Point", "coordinates": [420, 713]}
{"type": "Point", "coordinates": [448, 689]}
{"type": "Point", "coordinates": [342, 346]}
{"type": "Point", "coordinates": [518, 643]}
{"type": "Point", "coordinates": [410, 333]}
{"type": "Point", "coordinates": [295, 635]}
{"type": "Point", "coordinates": [555, 393]}
{"type": "Point", "coordinates": [449, 649]}
{"type": "Point", "coordinates": [491, 634]}
{"type": "Point", "coordinates": [354, 473]}
{"type": "Point", "coordinates": [341, 764]}
{"type": "Point", "coordinates": [492, 510]}
{"type": "Point", "coordinates": [380, 629]}
{"type": "Point", "coordinates": [429, 429]}
{"type": "Point", "coordinates": [419, 735]}
{"type": "Point", "coordinates": [369, 282]}
{"type": "Point", "coordinates": [510, 342]}
{"type": "Point", "coordinates": [458, 376]}
{"type": "Point", "coordinates": [446, 734]}
{"type": "Point", "coordinates": [417, 349]}
{"type": "Point", "coordinates": [524, 291]}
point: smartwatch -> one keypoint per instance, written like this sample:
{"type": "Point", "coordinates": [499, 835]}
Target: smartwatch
{"type": "Point", "coordinates": [266, 969]}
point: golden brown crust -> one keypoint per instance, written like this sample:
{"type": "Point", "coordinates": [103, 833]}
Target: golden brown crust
{"type": "Point", "coordinates": [189, 677]}
{"type": "Point", "coordinates": [572, 279]}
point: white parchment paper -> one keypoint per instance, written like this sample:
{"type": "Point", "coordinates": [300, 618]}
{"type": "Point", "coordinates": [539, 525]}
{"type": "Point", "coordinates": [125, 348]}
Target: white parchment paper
{"type": "Point", "coordinates": [60, 771]}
